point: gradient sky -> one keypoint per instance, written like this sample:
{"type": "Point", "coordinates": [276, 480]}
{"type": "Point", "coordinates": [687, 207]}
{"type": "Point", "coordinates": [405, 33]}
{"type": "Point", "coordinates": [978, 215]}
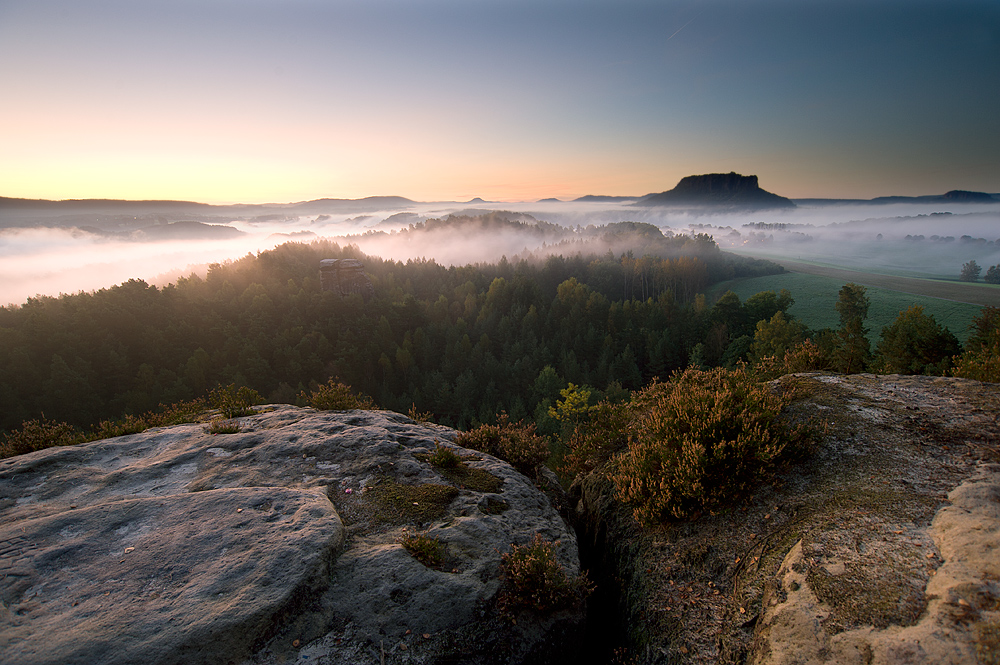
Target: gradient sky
{"type": "Point", "coordinates": [288, 100]}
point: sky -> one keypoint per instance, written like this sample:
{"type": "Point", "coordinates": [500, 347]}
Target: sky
{"type": "Point", "coordinates": [254, 101]}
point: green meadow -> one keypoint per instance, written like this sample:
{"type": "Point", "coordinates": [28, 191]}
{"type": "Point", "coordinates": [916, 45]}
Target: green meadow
{"type": "Point", "coordinates": [816, 297]}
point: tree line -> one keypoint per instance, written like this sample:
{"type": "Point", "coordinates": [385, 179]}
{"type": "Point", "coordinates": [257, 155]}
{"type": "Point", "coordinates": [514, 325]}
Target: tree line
{"type": "Point", "coordinates": [463, 343]}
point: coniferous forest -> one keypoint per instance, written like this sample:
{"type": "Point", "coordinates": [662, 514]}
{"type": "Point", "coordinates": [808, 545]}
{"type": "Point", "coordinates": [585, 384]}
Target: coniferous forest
{"type": "Point", "coordinates": [462, 343]}
{"type": "Point", "coordinates": [605, 310]}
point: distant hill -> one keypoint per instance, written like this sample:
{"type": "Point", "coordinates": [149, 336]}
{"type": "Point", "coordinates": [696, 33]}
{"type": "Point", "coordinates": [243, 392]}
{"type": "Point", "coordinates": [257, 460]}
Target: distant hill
{"type": "Point", "coordinates": [598, 198]}
{"type": "Point", "coordinates": [170, 231]}
{"type": "Point", "coordinates": [186, 231]}
{"type": "Point", "coordinates": [954, 196]}
{"type": "Point", "coordinates": [724, 190]}
{"type": "Point", "coordinates": [367, 204]}
{"type": "Point", "coordinates": [117, 215]}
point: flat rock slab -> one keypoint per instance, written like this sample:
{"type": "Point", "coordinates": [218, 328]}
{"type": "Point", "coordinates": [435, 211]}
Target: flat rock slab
{"type": "Point", "coordinates": [274, 544]}
{"type": "Point", "coordinates": [176, 579]}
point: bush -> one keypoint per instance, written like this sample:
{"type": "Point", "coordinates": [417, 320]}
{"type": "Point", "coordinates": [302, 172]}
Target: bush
{"type": "Point", "coordinates": [597, 439]}
{"type": "Point", "coordinates": [534, 580]}
{"type": "Point", "coordinates": [915, 344]}
{"type": "Point", "coordinates": [223, 426]}
{"type": "Point", "coordinates": [516, 443]}
{"type": "Point", "coordinates": [419, 416]}
{"type": "Point", "coordinates": [130, 424]}
{"type": "Point", "coordinates": [444, 458]}
{"type": "Point", "coordinates": [177, 413]}
{"type": "Point", "coordinates": [425, 549]}
{"type": "Point", "coordinates": [233, 402]}
{"type": "Point", "coordinates": [336, 396]}
{"type": "Point", "coordinates": [981, 359]}
{"type": "Point", "coordinates": [38, 435]}
{"type": "Point", "coordinates": [703, 441]}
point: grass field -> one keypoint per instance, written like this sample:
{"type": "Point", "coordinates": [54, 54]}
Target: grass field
{"type": "Point", "coordinates": [816, 296]}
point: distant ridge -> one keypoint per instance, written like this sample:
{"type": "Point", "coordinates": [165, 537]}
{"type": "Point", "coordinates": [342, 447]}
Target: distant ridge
{"type": "Point", "coordinates": [115, 205]}
{"type": "Point", "coordinates": [598, 198]}
{"type": "Point", "coordinates": [723, 190]}
{"type": "Point", "coordinates": [954, 196]}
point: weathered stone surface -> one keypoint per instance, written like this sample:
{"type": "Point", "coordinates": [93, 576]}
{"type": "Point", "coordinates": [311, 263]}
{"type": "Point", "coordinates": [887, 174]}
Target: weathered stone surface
{"type": "Point", "coordinates": [266, 546]}
{"type": "Point", "coordinates": [882, 548]}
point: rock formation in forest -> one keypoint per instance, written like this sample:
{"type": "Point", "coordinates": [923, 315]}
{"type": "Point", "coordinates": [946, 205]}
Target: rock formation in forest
{"type": "Point", "coordinates": [345, 276]}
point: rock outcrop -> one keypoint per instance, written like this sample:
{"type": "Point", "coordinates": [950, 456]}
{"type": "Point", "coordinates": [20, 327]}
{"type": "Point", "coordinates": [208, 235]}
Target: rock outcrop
{"type": "Point", "coordinates": [345, 276]}
{"type": "Point", "coordinates": [280, 543]}
{"type": "Point", "coordinates": [884, 547]}
{"type": "Point", "coordinates": [728, 190]}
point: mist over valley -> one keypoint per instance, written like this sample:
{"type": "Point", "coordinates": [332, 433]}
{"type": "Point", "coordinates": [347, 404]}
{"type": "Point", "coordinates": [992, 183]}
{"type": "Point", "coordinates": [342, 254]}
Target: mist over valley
{"type": "Point", "coordinates": [49, 247]}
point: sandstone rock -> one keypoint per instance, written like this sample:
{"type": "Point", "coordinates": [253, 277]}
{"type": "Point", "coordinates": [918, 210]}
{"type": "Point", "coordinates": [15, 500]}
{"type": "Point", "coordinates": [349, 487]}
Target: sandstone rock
{"type": "Point", "coordinates": [882, 548]}
{"type": "Point", "coordinates": [345, 276]}
{"type": "Point", "coordinates": [730, 190]}
{"type": "Point", "coordinates": [280, 543]}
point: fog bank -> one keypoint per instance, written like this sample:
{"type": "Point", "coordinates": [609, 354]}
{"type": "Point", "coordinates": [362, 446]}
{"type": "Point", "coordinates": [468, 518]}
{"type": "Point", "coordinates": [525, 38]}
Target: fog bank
{"type": "Point", "coordinates": [85, 253]}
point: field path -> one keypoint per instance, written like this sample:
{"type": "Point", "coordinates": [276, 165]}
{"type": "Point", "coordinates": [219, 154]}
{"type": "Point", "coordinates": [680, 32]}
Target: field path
{"type": "Point", "coordinates": [974, 294]}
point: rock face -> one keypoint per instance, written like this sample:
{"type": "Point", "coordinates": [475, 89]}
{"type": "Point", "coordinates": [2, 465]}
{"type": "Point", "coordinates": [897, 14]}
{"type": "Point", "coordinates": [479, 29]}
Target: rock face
{"type": "Point", "coordinates": [730, 190]}
{"type": "Point", "coordinates": [345, 276]}
{"type": "Point", "coordinates": [280, 543]}
{"type": "Point", "coordinates": [884, 547]}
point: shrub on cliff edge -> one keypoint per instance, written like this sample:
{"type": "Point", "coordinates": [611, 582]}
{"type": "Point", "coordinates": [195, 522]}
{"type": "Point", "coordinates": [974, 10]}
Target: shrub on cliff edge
{"type": "Point", "coordinates": [701, 442]}
{"type": "Point", "coordinates": [515, 443]}
{"type": "Point", "coordinates": [534, 580]}
{"type": "Point", "coordinates": [336, 396]}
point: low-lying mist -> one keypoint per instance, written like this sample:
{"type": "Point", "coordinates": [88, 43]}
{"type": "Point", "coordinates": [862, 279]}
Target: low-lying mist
{"type": "Point", "coordinates": [77, 254]}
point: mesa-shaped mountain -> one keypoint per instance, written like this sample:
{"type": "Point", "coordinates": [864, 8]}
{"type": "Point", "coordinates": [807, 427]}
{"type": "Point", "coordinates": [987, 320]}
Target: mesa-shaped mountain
{"type": "Point", "coordinates": [722, 190]}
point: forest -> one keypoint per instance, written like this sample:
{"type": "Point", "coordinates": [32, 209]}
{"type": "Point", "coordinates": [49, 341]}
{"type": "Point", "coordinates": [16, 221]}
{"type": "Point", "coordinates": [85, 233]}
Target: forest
{"type": "Point", "coordinates": [611, 312]}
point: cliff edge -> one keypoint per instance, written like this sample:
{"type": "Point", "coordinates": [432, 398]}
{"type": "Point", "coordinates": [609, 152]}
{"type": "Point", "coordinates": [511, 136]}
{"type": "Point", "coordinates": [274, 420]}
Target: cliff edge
{"type": "Point", "coordinates": [883, 548]}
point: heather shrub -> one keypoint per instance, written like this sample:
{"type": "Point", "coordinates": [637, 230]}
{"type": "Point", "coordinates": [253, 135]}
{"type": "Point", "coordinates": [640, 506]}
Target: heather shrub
{"type": "Point", "coordinates": [701, 442]}
{"type": "Point", "coordinates": [597, 439]}
{"type": "Point", "coordinates": [517, 443]}
{"type": "Point", "coordinates": [444, 458]}
{"type": "Point", "coordinates": [130, 424]}
{"type": "Point", "coordinates": [223, 426]}
{"type": "Point", "coordinates": [419, 416]}
{"type": "Point", "coordinates": [425, 549]}
{"type": "Point", "coordinates": [336, 396]}
{"type": "Point", "coordinates": [177, 413]}
{"type": "Point", "coordinates": [533, 579]}
{"type": "Point", "coordinates": [233, 402]}
{"type": "Point", "coordinates": [37, 435]}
